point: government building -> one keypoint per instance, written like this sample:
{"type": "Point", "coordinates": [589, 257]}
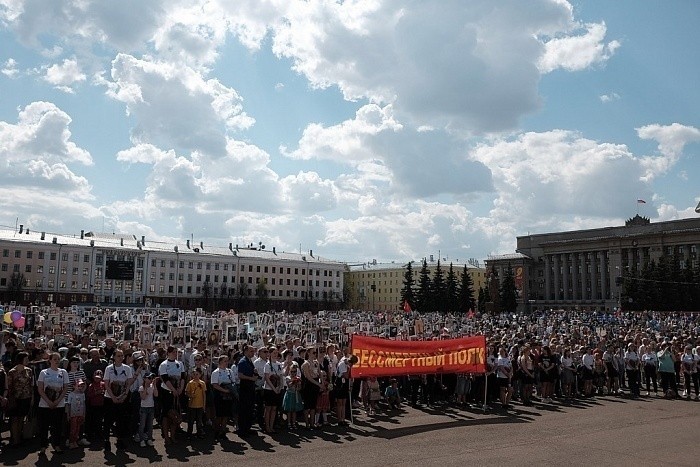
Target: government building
{"type": "Point", "coordinates": [580, 269]}
{"type": "Point", "coordinates": [123, 270]}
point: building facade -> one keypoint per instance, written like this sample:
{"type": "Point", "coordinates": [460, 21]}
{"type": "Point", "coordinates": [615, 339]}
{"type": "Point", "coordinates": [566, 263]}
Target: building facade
{"type": "Point", "coordinates": [377, 286]}
{"type": "Point", "coordinates": [580, 269]}
{"type": "Point", "coordinates": [66, 270]}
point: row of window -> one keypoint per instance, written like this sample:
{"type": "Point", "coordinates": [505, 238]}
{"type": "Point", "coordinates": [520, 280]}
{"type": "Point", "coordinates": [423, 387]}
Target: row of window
{"type": "Point", "coordinates": [41, 255]}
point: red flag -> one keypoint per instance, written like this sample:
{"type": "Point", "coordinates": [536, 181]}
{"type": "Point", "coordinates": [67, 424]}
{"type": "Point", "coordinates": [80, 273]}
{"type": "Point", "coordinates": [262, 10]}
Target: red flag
{"type": "Point", "coordinates": [406, 306]}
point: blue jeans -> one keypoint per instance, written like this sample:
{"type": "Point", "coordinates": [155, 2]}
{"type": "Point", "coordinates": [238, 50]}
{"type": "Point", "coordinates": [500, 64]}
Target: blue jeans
{"type": "Point", "coordinates": [146, 423]}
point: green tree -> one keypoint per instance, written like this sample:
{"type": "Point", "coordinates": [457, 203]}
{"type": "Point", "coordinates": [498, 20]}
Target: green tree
{"type": "Point", "coordinates": [407, 294]}
{"type": "Point", "coordinates": [452, 292]}
{"type": "Point", "coordinates": [15, 287]}
{"type": "Point", "coordinates": [423, 296]}
{"type": "Point", "coordinates": [466, 292]}
{"type": "Point", "coordinates": [439, 289]}
{"type": "Point", "coordinates": [508, 293]}
{"type": "Point", "coordinates": [483, 297]}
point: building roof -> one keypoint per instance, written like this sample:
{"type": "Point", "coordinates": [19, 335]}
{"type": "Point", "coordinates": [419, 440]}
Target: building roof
{"type": "Point", "coordinates": [128, 242]}
{"type": "Point", "coordinates": [507, 257]}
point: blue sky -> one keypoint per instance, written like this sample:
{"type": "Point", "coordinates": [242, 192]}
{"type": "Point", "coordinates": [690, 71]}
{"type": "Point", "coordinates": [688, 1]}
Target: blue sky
{"type": "Point", "coordinates": [361, 130]}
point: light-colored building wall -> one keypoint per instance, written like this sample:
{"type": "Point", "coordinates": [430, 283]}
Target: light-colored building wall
{"type": "Point", "coordinates": [387, 280]}
{"type": "Point", "coordinates": [66, 269]}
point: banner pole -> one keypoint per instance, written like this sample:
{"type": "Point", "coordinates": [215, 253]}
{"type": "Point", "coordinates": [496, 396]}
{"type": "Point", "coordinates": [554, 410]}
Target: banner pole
{"type": "Point", "coordinates": [350, 383]}
{"type": "Point", "coordinates": [486, 390]}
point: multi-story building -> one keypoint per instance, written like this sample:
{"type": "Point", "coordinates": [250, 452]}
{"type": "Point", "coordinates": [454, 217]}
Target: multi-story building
{"type": "Point", "coordinates": [583, 269]}
{"type": "Point", "coordinates": [123, 269]}
{"type": "Point", "coordinates": [377, 286]}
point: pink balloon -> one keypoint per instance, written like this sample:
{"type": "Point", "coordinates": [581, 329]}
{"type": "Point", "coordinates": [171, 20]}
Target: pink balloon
{"type": "Point", "coordinates": [19, 323]}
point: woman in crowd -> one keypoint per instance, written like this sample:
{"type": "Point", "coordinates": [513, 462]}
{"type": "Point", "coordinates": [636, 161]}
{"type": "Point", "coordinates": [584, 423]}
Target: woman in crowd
{"type": "Point", "coordinates": [20, 390]}
{"type": "Point", "coordinates": [632, 369]}
{"type": "Point", "coordinates": [118, 378]}
{"type": "Point", "coordinates": [650, 362]}
{"type": "Point", "coordinates": [666, 370]}
{"type": "Point", "coordinates": [311, 386]}
{"type": "Point", "coordinates": [504, 373]}
{"type": "Point", "coordinates": [272, 386]}
{"type": "Point", "coordinates": [568, 373]}
{"type": "Point", "coordinates": [527, 372]}
{"type": "Point", "coordinates": [52, 386]}
{"type": "Point", "coordinates": [223, 390]}
{"type": "Point", "coordinates": [613, 380]}
{"type": "Point", "coordinates": [600, 375]}
{"type": "Point", "coordinates": [689, 368]}
{"type": "Point", "coordinates": [547, 367]}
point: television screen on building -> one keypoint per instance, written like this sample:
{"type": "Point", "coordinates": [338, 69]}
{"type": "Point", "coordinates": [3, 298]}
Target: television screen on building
{"type": "Point", "coordinates": [120, 270]}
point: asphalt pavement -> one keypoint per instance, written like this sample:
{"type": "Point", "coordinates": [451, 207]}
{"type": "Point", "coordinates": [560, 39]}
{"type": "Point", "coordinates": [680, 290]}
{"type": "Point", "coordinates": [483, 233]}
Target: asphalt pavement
{"type": "Point", "coordinates": [606, 430]}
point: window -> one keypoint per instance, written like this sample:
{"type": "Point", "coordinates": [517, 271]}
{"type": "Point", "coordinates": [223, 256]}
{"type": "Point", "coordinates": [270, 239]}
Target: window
{"type": "Point", "coordinates": [99, 258]}
{"type": "Point", "coordinates": [28, 268]}
{"type": "Point", "coordinates": [52, 269]}
{"type": "Point", "coordinates": [258, 269]}
{"type": "Point", "coordinates": [161, 289]}
{"type": "Point", "coordinates": [153, 264]}
{"type": "Point", "coordinates": [199, 278]}
{"type": "Point", "coordinates": [170, 289]}
{"type": "Point", "coordinates": [208, 266]}
{"type": "Point", "coordinates": [171, 276]}
{"type": "Point", "coordinates": [53, 256]}
{"type": "Point", "coordinates": [250, 268]}
{"type": "Point", "coordinates": [4, 267]}
{"type": "Point", "coordinates": [40, 269]}
{"type": "Point", "coordinates": [41, 255]}
{"type": "Point", "coordinates": [190, 265]}
{"type": "Point", "coordinates": [172, 264]}
{"type": "Point", "coordinates": [85, 271]}
{"type": "Point", "coordinates": [296, 271]}
{"type": "Point", "coordinates": [162, 276]}
{"type": "Point", "coordinates": [139, 263]}
{"type": "Point", "coordinates": [5, 253]}
{"type": "Point", "coordinates": [162, 263]}
{"type": "Point", "coordinates": [207, 278]}
{"type": "Point", "coordinates": [86, 258]}
{"type": "Point", "coordinates": [152, 288]}
{"type": "Point", "coordinates": [199, 265]}
{"type": "Point", "coordinates": [76, 257]}
{"type": "Point", "coordinates": [18, 253]}
{"type": "Point", "coordinates": [29, 255]}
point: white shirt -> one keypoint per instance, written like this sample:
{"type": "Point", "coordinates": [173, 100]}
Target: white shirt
{"type": "Point", "coordinates": [649, 358]}
{"type": "Point", "coordinates": [688, 361]}
{"type": "Point", "coordinates": [631, 360]}
{"type": "Point", "coordinates": [272, 368]}
{"type": "Point", "coordinates": [259, 365]}
{"type": "Point", "coordinates": [588, 360]}
{"type": "Point", "coordinates": [174, 370]}
{"type": "Point", "coordinates": [117, 374]}
{"type": "Point", "coordinates": [54, 381]}
{"type": "Point", "coordinates": [147, 401]}
{"type": "Point", "coordinates": [222, 376]}
{"type": "Point", "coordinates": [503, 362]}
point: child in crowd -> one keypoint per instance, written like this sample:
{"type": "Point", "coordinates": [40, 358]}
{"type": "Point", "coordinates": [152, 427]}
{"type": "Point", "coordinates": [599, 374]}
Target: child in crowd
{"type": "Point", "coordinates": [95, 401]}
{"type": "Point", "coordinates": [196, 394]}
{"type": "Point", "coordinates": [391, 394]}
{"type": "Point", "coordinates": [323, 402]}
{"type": "Point", "coordinates": [148, 391]}
{"type": "Point", "coordinates": [292, 402]}
{"type": "Point", "coordinates": [76, 412]}
{"type": "Point", "coordinates": [374, 394]}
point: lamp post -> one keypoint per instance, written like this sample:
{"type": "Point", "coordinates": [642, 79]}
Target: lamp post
{"type": "Point", "coordinates": [374, 289]}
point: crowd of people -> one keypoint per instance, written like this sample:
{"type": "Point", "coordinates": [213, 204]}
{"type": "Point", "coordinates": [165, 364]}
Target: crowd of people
{"type": "Point", "coordinates": [95, 389]}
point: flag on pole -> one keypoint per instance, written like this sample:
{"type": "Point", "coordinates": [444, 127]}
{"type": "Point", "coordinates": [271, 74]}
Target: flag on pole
{"type": "Point", "coordinates": [406, 306]}
{"type": "Point", "coordinates": [641, 201]}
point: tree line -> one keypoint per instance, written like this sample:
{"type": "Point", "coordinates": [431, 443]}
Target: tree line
{"type": "Point", "coordinates": [662, 286]}
{"type": "Point", "coordinates": [444, 291]}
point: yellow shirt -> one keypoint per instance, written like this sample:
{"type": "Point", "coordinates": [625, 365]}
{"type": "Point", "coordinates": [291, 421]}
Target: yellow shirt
{"type": "Point", "coordinates": [195, 392]}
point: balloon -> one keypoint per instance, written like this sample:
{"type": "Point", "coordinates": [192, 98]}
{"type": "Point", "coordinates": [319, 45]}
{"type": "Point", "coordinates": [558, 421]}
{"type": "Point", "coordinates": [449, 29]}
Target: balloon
{"type": "Point", "coordinates": [7, 318]}
{"type": "Point", "coordinates": [19, 323]}
{"type": "Point", "coordinates": [15, 315]}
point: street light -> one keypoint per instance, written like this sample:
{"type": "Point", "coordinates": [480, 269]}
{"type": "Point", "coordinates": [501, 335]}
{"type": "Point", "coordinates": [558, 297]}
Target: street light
{"type": "Point", "coordinates": [374, 289]}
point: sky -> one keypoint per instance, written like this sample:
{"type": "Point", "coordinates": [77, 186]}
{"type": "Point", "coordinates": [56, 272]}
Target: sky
{"type": "Point", "coordinates": [387, 130]}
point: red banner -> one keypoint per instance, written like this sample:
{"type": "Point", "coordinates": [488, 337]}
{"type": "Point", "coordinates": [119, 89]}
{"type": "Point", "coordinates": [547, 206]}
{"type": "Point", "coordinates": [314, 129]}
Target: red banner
{"type": "Point", "coordinates": [383, 357]}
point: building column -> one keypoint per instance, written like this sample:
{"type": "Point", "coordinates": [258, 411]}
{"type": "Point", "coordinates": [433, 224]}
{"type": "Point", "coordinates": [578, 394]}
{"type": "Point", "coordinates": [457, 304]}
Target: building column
{"type": "Point", "coordinates": [603, 276]}
{"type": "Point", "coordinates": [575, 294]}
{"type": "Point", "coordinates": [547, 280]}
{"type": "Point", "coordinates": [593, 277]}
{"type": "Point", "coordinates": [557, 279]}
{"type": "Point", "coordinates": [565, 276]}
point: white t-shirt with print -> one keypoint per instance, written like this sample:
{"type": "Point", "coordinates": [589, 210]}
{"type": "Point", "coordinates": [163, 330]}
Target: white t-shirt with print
{"type": "Point", "coordinates": [54, 382]}
{"type": "Point", "coordinates": [118, 375]}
